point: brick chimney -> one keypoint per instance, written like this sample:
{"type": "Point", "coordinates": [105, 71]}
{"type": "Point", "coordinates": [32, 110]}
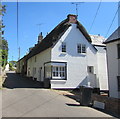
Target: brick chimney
{"type": "Point", "coordinates": [40, 37]}
{"type": "Point", "coordinates": [72, 18]}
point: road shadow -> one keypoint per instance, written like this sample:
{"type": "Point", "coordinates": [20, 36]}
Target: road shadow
{"type": "Point", "coordinates": [14, 80]}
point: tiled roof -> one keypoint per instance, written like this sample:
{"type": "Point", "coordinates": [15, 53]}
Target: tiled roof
{"type": "Point", "coordinates": [97, 40]}
{"type": "Point", "coordinates": [114, 36]}
{"type": "Point", "coordinates": [51, 39]}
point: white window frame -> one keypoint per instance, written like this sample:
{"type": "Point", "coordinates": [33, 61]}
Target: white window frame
{"type": "Point", "coordinates": [58, 72]}
{"type": "Point", "coordinates": [81, 48]}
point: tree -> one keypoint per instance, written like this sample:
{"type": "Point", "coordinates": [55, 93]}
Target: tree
{"type": "Point", "coordinates": [14, 63]}
{"type": "Point", "coordinates": [3, 42]}
{"type": "Point", "coordinates": [4, 52]}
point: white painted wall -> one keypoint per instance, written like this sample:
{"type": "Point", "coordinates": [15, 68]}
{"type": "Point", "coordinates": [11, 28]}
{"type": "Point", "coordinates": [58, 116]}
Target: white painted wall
{"type": "Point", "coordinates": [41, 58]}
{"type": "Point", "coordinates": [76, 63]}
{"type": "Point", "coordinates": [113, 68]}
{"type": "Point", "coordinates": [102, 68]}
{"type": "Point", "coordinates": [7, 67]}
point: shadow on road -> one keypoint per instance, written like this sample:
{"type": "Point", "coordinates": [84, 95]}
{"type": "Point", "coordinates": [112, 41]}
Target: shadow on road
{"type": "Point", "coordinates": [14, 80]}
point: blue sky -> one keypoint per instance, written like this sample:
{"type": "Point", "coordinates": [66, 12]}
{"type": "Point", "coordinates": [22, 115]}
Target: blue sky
{"type": "Point", "coordinates": [50, 14]}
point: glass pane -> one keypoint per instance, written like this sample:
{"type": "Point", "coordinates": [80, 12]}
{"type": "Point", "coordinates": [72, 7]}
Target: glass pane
{"type": "Point", "coordinates": [79, 48]}
{"type": "Point", "coordinates": [56, 68]}
{"type": "Point", "coordinates": [63, 47]}
{"type": "Point", "coordinates": [83, 49]}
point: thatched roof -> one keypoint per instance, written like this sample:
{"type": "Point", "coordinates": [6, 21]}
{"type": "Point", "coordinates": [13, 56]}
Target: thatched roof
{"type": "Point", "coordinates": [52, 38]}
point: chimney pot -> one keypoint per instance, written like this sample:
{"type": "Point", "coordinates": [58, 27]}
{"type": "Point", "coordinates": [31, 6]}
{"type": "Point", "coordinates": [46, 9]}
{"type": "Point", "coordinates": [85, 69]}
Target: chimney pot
{"type": "Point", "coordinates": [72, 18]}
{"type": "Point", "coordinates": [40, 37]}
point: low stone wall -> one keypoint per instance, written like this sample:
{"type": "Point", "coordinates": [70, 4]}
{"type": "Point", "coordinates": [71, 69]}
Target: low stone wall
{"type": "Point", "coordinates": [112, 105]}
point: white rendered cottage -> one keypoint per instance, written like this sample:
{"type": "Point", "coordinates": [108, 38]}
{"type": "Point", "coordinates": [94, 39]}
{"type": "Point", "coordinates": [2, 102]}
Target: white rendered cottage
{"type": "Point", "coordinates": [113, 61]}
{"type": "Point", "coordinates": [65, 57]}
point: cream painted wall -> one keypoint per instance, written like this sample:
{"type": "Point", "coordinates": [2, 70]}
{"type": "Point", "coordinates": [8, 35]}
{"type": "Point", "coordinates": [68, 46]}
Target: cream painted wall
{"type": "Point", "coordinates": [19, 66]}
{"type": "Point", "coordinates": [113, 68]}
{"type": "Point", "coordinates": [76, 63]}
{"type": "Point", "coordinates": [41, 58]}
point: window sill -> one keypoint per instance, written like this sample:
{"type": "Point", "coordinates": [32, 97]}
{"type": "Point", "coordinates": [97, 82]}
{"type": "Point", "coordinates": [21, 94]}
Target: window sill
{"type": "Point", "coordinates": [58, 81]}
{"type": "Point", "coordinates": [57, 78]}
{"type": "Point", "coordinates": [82, 54]}
{"type": "Point", "coordinates": [63, 52]}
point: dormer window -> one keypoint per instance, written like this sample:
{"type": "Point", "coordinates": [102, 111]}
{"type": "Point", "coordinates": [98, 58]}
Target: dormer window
{"type": "Point", "coordinates": [63, 47]}
{"type": "Point", "coordinates": [81, 48]}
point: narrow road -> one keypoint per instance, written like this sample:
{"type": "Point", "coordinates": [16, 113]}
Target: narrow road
{"type": "Point", "coordinates": [14, 80]}
{"type": "Point", "coordinates": [23, 98]}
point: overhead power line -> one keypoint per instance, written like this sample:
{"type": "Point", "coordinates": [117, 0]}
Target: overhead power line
{"type": "Point", "coordinates": [112, 22]}
{"type": "Point", "coordinates": [17, 24]}
{"type": "Point", "coordinates": [95, 15]}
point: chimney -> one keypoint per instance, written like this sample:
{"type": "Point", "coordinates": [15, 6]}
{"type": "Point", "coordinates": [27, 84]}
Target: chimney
{"type": "Point", "coordinates": [72, 18]}
{"type": "Point", "coordinates": [40, 37]}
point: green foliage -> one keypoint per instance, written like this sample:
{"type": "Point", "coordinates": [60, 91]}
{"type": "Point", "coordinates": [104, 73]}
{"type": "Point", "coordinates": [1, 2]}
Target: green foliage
{"type": "Point", "coordinates": [14, 63]}
{"type": "Point", "coordinates": [11, 66]}
{"type": "Point", "coordinates": [4, 52]}
{"type": "Point", "coordinates": [3, 42]}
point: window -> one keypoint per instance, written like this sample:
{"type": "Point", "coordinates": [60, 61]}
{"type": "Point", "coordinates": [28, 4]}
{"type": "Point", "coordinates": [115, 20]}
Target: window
{"type": "Point", "coordinates": [118, 47]}
{"type": "Point", "coordinates": [81, 48]}
{"type": "Point", "coordinates": [118, 77]}
{"type": "Point", "coordinates": [90, 69]}
{"type": "Point", "coordinates": [63, 47]}
{"type": "Point", "coordinates": [58, 72]}
{"type": "Point", "coordinates": [55, 70]}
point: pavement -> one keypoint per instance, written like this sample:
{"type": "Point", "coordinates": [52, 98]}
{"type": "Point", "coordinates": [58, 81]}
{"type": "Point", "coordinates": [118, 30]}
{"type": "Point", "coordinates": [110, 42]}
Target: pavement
{"type": "Point", "coordinates": [22, 98]}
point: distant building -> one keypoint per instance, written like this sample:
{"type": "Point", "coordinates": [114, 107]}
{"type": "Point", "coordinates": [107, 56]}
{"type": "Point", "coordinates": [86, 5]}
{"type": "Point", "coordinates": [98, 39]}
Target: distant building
{"type": "Point", "coordinates": [67, 59]}
{"type": "Point", "coordinates": [113, 59]}
{"type": "Point", "coordinates": [97, 42]}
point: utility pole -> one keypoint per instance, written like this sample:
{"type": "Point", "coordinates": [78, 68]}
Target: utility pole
{"type": "Point", "coordinates": [76, 5]}
{"type": "Point", "coordinates": [19, 53]}
{"type": "Point", "coordinates": [12, 58]}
